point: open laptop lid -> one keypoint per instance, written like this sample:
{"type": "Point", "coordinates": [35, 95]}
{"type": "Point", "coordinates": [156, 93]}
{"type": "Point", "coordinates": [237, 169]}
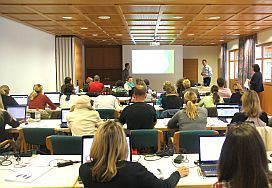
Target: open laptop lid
{"type": "Point", "coordinates": [87, 144]}
{"type": "Point", "coordinates": [18, 112]}
{"type": "Point", "coordinates": [210, 148]}
{"type": "Point", "coordinates": [53, 96]}
{"type": "Point", "coordinates": [21, 99]}
{"type": "Point", "coordinates": [64, 112]}
{"type": "Point", "coordinates": [227, 110]}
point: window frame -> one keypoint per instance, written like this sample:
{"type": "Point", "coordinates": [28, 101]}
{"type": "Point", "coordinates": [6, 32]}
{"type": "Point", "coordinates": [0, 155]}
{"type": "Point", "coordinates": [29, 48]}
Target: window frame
{"type": "Point", "coordinates": [263, 59]}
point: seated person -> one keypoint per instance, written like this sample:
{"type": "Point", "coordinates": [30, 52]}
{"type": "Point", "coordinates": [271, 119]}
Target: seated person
{"type": "Point", "coordinates": [223, 92]}
{"type": "Point", "coordinates": [243, 159]}
{"type": "Point", "coordinates": [180, 87]}
{"type": "Point", "coordinates": [67, 80]}
{"type": "Point", "coordinates": [139, 115]}
{"type": "Point", "coordinates": [129, 85]}
{"type": "Point", "coordinates": [107, 101]}
{"type": "Point", "coordinates": [6, 99]}
{"type": "Point", "coordinates": [165, 85]}
{"type": "Point", "coordinates": [119, 91]}
{"type": "Point", "coordinates": [68, 97]}
{"type": "Point", "coordinates": [251, 110]}
{"type": "Point", "coordinates": [96, 85]}
{"type": "Point", "coordinates": [191, 117]}
{"type": "Point", "coordinates": [109, 167]}
{"type": "Point", "coordinates": [237, 95]}
{"type": "Point", "coordinates": [187, 86]}
{"type": "Point", "coordinates": [37, 100]}
{"type": "Point", "coordinates": [212, 99]}
{"type": "Point", "coordinates": [5, 118]}
{"type": "Point", "coordinates": [171, 100]}
{"type": "Point", "coordinates": [82, 118]}
{"type": "Point", "coordinates": [86, 85]}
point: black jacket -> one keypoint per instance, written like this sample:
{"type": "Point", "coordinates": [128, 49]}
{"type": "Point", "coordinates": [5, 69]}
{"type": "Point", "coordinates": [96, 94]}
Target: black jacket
{"type": "Point", "coordinates": [129, 175]}
{"type": "Point", "coordinates": [256, 82]}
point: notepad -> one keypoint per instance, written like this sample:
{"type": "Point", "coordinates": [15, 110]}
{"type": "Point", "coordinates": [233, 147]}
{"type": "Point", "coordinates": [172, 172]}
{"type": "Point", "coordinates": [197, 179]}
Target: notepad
{"type": "Point", "coordinates": [27, 174]}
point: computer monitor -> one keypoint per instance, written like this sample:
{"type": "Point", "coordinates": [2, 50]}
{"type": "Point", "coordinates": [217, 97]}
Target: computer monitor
{"type": "Point", "coordinates": [17, 112]}
{"type": "Point", "coordinates": [87, 142]}
{"type": "Point", "coordinates": [53, 96]}
{"type": "Point", "coordinates": [76, 89]}
{"type": "Point", "coordinates": [64, 112]}
{"type": "Point", "coordinates": [21, 99]}
{"type": "Point", "coordinates": [227, 110]}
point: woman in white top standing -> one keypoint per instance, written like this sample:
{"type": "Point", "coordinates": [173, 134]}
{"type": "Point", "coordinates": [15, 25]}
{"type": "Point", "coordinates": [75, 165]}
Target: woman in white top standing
{"type": "Point", "coordinates": [107, 101]}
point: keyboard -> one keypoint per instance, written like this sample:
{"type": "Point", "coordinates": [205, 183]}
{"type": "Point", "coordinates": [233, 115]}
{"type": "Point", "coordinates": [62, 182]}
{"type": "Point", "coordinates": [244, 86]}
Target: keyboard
{"type": "Point", "coordinates": [209, 168]}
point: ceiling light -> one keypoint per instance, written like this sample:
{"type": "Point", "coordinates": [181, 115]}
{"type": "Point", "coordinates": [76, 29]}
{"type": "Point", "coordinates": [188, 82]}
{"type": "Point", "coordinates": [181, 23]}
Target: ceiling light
{"type": "Point", "coordinates": [119, 35]}
{"type": "Point", "coordinates": [236, 34]}
{"type": "Point", "coordinates": [104, 40]}
{"type": "Point", "coordinates": [191, 34]}
{"type": "Point", "coordinates": [256, 28]}
{"type": "Point", "coordinates": [177, 17]}
{"type": "Point", "coordinates": [67, 17]}
{"type": "Point", "coordinates": [84, 28]}
{"type": "Point", "coordinates": [94, 35]}
{"type": "Point", "coordinates": [221, 40]}
{"type": "Point", "coordinates": [172, 27]}
{"type": "Point", "coordinates": [213, 17]}
{"type": "Point", "coordinates": [212, 43]}
{"type": "Point", "coordinates": [104, 17]}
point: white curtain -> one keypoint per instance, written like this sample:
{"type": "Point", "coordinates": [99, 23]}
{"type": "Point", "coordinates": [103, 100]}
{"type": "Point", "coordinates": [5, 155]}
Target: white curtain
{"type": "Point", "coordinates": [65, 65]}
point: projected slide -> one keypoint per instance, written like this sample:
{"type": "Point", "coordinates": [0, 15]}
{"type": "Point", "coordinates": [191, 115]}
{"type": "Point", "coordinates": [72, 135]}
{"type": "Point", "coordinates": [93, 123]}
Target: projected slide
{"type": "Point", "coordinates": [153, 61]}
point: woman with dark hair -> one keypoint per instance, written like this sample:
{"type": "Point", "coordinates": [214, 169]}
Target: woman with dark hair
{"type": "Point", "coordinates": [180, 87]}
{"type": "Point", "coordinates": [119, 90]}
{"type": "Point", "coordinates": [68, 97]}
{"type": "Point", "coordinates": [67, 80]}
{"type": "Point", "coordinates": [243, 160]}
{"type": "Point", "coordinates": [109, 168]}
{"type": "Point", "coordinates": [212, 99]}
{"type": "Point", "coordinates": [256, 81]}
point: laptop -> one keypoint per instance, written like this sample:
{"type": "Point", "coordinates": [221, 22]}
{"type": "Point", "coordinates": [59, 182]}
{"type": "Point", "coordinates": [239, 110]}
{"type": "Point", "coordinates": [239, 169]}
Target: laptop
{"type": "Point", "coordinates": [18, 112]}
{"type": "Point", "coordinates": [227, 111]}
{"type": "Point", "coordinates": [21, 99]}
{"type": "Point", "coordinates": [54, 97]}
{"type": "Point", "coordinates": [76, 89]}
{"type": "Point", "coordinates": [64, 112]}
{"type": "Point", "coordinates": [209, 152]}
{"type": "Point", "coordinates": [87, 144]}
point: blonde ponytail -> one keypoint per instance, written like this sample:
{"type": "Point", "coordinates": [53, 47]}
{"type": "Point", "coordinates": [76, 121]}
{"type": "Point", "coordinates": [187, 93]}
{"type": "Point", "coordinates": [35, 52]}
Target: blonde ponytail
{"type": "Point", "coordinates": [190, 99]}
{"type": "Point", "coordinates": [1, 103]}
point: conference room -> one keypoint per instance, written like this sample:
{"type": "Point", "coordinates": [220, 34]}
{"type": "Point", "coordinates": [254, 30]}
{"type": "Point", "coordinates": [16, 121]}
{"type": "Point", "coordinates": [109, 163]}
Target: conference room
{"type": "Point", "coordinates": [154, 49]}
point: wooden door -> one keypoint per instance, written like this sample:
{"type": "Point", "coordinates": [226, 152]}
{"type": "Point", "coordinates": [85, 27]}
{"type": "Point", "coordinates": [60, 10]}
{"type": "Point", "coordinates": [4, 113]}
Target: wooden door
{"type": "Point", "coordinates": [190, 69]}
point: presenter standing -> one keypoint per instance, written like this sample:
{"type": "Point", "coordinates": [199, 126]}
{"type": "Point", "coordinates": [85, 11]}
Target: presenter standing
{"type": "Point", "coordinates": [125, 72]}
{"type": "Point", "coordinates": [206, 73]}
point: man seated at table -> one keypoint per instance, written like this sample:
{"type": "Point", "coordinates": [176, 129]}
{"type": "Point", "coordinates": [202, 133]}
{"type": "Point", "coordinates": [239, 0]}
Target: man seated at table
{"type": "Point", "coordinates": [96, 85]}
{"type": "Point", "coordinates": [139, 115]}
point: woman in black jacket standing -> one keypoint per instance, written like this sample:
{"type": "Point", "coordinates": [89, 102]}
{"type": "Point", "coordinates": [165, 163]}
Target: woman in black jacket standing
{"type": "Point", "coordinates": [256, 81]}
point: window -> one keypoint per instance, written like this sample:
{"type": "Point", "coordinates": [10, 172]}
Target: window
{"type": "Point", "coordinates": [233, 64]}
{"type": "Point", "coordinates": [264, 60]}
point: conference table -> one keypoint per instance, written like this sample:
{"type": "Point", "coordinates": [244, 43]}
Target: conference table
{"type": "Point", "coordinates": [43, 172]}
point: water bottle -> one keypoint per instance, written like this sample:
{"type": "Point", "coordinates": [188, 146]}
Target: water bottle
{"type": "Point", "coordinates": [37, 115]}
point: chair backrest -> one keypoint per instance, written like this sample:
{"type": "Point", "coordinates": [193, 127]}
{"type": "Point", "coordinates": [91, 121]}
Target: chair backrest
{"type": "Point", "coordinates": [266, 134]}
{"type": "Point", "coordinates": [37, 136]}
{"type": "Point", "coordinates": [212, 112]}
{"type": "Point", "coordinates": [64, 145]}
{"type": "Point", "coordinates": [226, 100]}
{"type": "Point", "coordinates": [169, 113]}
{"type": "Point", "coordinates": [106, 113]}
{"type": "Point", "coordinates": [187, 141]}
{"type": "Point", "coordinates": [144, 138]}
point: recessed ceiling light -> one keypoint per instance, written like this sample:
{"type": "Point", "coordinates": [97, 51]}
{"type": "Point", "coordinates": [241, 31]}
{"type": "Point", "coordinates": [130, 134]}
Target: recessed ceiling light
{"type": "Point", "coordinates": [212, 43]}
{"type": "Point", "coordinates": [94, 35]}
{"type": "Point", "coordinates": [172, 27]}
{"type": "Point", "coordinates": [67, 17]}
{"type": "Point", "coordinates": [213, 17]}
{"type": "Point", "coordinates": [191, 34]}
{"type": "Point", "coordinates": [84, 28]}
{"type": "Point", "coordinates": [221, 40]}
{"type": "Point", "coordinates": [177, 17]}
{"type": "Point", "coordinates": [119, 35]}
{"type": "Point", "coordinates": [104, 17]}
{"type": "Point", "coordinates": [104, 40]}
{"type": "Point", "coordinates": [256, 28]}
{"type": "Point", "coordinates": [236, 34]}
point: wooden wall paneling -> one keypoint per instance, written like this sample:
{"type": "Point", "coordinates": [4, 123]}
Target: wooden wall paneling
{"type": "Point", "coordinates": [266, 99]}
{"type": "Point", "coordinates": [190, 69]}
{"type": "Point", "coordinates": [79, 73]}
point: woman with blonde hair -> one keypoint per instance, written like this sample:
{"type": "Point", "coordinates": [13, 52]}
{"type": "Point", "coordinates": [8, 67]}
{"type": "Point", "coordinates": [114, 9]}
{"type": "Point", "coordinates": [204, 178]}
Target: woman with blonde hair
{"type": "Point", "coordinates": [191, 117]}
{"type": "Point", "coordinates": [172, 99]}
{"type": "Point", "coordinates": [37, 100]}
{"type": "Point", "coordinates": [187, 86]}
{"type": "Point", "coordinates": [6, 100]}
{"type": "Point", "coordinates": [251, 110]}
{"type": "Point", "coordinates": [109, 168]}
{"type": "Point", "coordinates": [238, 92]}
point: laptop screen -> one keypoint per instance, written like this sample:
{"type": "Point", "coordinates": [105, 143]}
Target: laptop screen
{"type": "Point", "coordinates": [17, 112]}
{"type": "Point", "coordinates": [227, 110]}
{"type": "Point", "coordinates": [64, 113]}
{"type": "Point", "coordinates": [53, 96]}
{"type": "Point", "coordinates": [210, 148]}
{"type": "Point", "coordinates": [20, 99]}
{"type": "Point", "coordinates": [87, 144]}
